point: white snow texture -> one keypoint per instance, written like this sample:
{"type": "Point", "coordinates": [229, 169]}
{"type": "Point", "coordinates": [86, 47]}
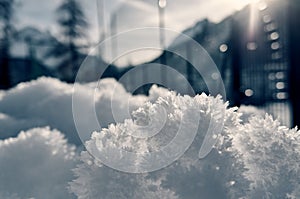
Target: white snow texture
{"type": "Point", "coordinates": [254, 156]}
{"type": "Point", "coordinates": [48, 102]}
{"type": "Point", "coordinates": [36, 164]}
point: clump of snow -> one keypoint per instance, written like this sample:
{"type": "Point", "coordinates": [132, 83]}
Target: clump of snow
{"type": "Point", "coordinates": [155, 92]}
{"type": "Point", "coordinates": [256, 158]}
{"type": "Point", "coordinates": [251, 155]}
{"type": "Point", "coordinates": [271, 155]}
{"type": "Point", "coordinates": [36, 164]}
{"type": "Point", "coordinates": [48, 102]}
{"type": "Point", "coordinates": [218, 175]}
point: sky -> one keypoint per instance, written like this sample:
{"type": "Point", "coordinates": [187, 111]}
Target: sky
{"type": "Point", "coordinates": [127, 15]}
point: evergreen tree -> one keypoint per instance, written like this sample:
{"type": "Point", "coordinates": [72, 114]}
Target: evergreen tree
{"type": "Point", "coordinates": [6, 14]}
{"type": "Point", "coordinates": [72, 22]}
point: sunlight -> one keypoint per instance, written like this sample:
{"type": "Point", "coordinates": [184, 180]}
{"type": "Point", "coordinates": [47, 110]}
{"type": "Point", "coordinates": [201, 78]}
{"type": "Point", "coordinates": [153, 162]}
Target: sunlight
{"type": "Point", "coordinates": [252, 18]}
{"type": "Point", "coordinates": [239, 4]}
{"type": "Point", "coordinates": [255, 7]}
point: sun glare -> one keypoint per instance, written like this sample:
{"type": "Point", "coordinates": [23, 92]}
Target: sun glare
{"type": "Point", "coordinates": [256, 6]}
{"type": "Point", "coordinates": [239, 4]}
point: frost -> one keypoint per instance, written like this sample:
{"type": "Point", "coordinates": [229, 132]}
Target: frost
{"type": "Point", "coordinates": [254, 158]}
{"type": "Point", "coordinates": [36, 164]}
{"type": "Point", "coordinates": [243, 152]}
{"type": "Point", "coordinates": [271, 155]}
{"type": "Point", "coordinates": [153, 126]}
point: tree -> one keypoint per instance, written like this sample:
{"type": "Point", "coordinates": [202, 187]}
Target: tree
{"type": "Point", "coordinates": [73, 23]}
{"type": "Point", "coordinates": [6, 14]}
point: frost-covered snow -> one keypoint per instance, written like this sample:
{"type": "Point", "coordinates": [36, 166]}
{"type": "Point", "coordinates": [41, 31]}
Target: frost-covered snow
{"type": "Point", "coordinates": [256, 158]}
{"type": "Point", "coordinates": [189, 177]}
{"type": "Point", "coordinates": [271, 155]}
{"type": "Point", "coordinates": [253, 155]}
{"type": "Point", "coordinates": [36, 164]}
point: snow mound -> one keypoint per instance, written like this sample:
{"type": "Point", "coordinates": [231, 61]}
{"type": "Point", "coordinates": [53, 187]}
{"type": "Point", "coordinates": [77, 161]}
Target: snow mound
{"type": "Point", "coordinates": [216, 176]}
{"type": "Point", "coordinates": [256, 158]}
{"type": "Point", "coordinates": [271, 155]}
{"type": "Point", "coordinates": [36, 164]}
{"type": "Point", "coordinates": [228, 153]}
{"type": "Point", "coordinates": [48, 102]}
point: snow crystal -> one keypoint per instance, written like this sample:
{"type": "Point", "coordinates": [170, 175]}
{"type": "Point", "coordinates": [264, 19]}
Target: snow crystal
{"type": "Point", "coordinates": [243, 153]}
{"type": "Point", "coordinates": [188, 177]}
{"type": "Point", "coordinates": [271, 155]}
{"type": "Point", "coordinates": [255, 158]}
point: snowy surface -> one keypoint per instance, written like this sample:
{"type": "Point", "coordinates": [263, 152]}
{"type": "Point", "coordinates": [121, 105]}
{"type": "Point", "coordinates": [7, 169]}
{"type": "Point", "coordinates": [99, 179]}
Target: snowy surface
{"type": "Point", "coordinates": [188, 177]}
{"type": "Point", "coordinates": [36, 164]}
{"type": "Point", "coordinates": [271, 155]}
{"type": "Point", "coordinates": [256, 158]}
{"type": "Point", "coordinates": [253, 156]}
{"type": "Point", "coordinates": [48, 102]}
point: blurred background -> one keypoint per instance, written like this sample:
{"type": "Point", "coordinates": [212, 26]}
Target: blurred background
{"type": "Point", "coordinates": [254, 43]}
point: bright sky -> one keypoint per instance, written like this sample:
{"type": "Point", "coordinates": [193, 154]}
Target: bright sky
{"type": "Point", "coordinates": [129, 14]}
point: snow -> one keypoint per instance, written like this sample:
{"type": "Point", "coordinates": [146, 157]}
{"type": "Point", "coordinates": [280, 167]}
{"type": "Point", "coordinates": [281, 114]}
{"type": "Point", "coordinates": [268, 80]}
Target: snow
{"type": "Point", "coordinates": [94, 180]}
{"type": "Point", "coordinates": [188, 177]}
{"type": "Point", "coordinates": [249, 111]}
{"type": "Point", "coordinates": [218, 152]}
{"type": "Point", "coordinates": [255, 158]}
{"type": "Point", "coordinates": [271, 155]}
{"type": "Point", "coordinates": [48, 102]}
{"type": "Point", "coordinates": [36, 164]}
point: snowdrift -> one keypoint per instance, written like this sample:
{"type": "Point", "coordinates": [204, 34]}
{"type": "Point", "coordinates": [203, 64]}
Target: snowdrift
{"type": "Point", "coordinates": [48, 102]}
{"type": "Point", "coordinates": [271, 155]}
{"type": "Point", "coordinates": [246, 153]}
{"type": "Point", "coordinates": [256, 158]}
{"type": "Point", "coordinates": [36, 164]}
